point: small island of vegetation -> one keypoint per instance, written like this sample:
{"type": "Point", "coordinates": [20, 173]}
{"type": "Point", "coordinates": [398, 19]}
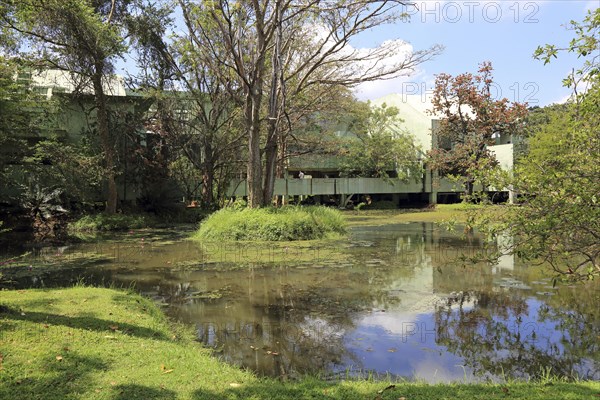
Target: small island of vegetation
{"type": "Point", "coordinates": [272, 224]}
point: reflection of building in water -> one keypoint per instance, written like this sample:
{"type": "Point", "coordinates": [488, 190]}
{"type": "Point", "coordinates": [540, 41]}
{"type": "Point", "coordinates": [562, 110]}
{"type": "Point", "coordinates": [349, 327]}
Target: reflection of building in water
{"type": "Point", "coordinates": [299, 317]}
{"type": "Point", "coordinates": [506, 259]}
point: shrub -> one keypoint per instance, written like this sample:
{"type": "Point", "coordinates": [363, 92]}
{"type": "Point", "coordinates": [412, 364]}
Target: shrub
{"type": "Point", "coordinates": [272, 224]}
{"type": "Point", "coordinates": [107, 222]}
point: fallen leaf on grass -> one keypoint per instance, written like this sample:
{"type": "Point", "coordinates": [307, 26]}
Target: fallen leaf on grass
{"type": "Point", "coordinates": [164, 369]}
{"type": "Point", "coordinates": [59, 358]}
{"type": "Point", "coordinates": [114, 327]}
{"type": "Point", "coordinates": [234, 385]}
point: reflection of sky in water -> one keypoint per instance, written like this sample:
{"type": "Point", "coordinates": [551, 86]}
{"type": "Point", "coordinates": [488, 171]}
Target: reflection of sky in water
{"type": "Point", "coordinates": [403, 345]}
{"type": "Point", "coordinates": [390, 305]}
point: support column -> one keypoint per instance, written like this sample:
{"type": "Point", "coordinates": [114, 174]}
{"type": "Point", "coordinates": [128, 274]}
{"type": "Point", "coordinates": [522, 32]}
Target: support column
{"type": "Point", "coordinates": [433, 181]}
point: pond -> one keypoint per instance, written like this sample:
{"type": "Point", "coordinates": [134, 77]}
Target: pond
{"type": "Point", "coordinates": [388, 299]}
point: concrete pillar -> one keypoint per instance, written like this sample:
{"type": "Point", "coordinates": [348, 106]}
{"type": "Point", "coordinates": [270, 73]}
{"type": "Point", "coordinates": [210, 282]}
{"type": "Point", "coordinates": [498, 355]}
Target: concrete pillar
{"type": "Point", "coordinates": [343, 198]}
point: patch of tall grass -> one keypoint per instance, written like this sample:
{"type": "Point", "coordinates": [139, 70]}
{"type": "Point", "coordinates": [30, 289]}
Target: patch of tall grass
{"type": "Point", "coordinates": [272, 224]}
{"type": "Point", "coordinates": [108, 222]}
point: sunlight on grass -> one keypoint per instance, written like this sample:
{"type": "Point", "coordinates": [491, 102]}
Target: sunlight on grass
{"type": "Point", "coordinates": [87, 343]}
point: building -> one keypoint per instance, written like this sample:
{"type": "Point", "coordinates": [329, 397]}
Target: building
{"type": "Point", "coordinates": [323, 183]}
{"type": "Point", "coordinates": [66, 112]}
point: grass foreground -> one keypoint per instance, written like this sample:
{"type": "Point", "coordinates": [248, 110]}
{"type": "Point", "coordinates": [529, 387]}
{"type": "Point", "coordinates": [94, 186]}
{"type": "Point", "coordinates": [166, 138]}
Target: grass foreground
{"type": "Point", "coordinates": [90, 343]}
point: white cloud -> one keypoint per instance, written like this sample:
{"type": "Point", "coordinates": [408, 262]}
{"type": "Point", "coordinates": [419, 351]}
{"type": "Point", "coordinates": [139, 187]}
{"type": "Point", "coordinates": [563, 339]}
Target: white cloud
{"type": "Point", "coordinates": [414, 81]}
{"type": "Point", "coordinates": [376, 89]}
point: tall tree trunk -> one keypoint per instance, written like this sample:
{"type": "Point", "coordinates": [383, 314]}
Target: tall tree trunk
{"type": "Point", "coordinates": [254, 170]}
{"type": "Point", "coordinates": [107, 145]}
{"type": "Point", "coordinates": [280, 165]}
{"type": "Point", "coordinates": [254, 98]}
{"type": "Point", "coordinates": [275, 105]}
{"type": "Point", "coordinates": [207, 187]}
{"type": "Point", "coordinates": [469, 184]}
{"type": "Point", "coordinates": [270, 166]}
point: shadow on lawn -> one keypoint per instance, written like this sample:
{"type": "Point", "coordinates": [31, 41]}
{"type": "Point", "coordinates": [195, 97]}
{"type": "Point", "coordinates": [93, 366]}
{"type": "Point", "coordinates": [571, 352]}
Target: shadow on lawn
{"type": "Point", "coordinates": [59, 380]}
{"type": "Point", "coordinates": [81, 322]}
{"type": "Point", "coordinates": [139, 392]}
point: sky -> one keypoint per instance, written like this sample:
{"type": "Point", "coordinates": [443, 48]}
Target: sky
{"type": "Point", "coordinates": [505, 32]}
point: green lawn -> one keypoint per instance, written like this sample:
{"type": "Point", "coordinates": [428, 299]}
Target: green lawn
{"type": "Point", "coordinates": [87, 343]}
{"type": "Point", "coordinates": [440, 213]}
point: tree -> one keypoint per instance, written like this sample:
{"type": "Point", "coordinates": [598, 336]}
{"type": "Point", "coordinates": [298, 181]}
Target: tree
{"type": "Point", "coordinates": [381, 146]}
{"type": "Point", "coordinates": [585, 44]}
{"type": "Point", "coordinates": [84, 38]}
{"type": "Point", "coordinates": [558, 220]}
{"type": "Point", "coordinates": [15, 98]}
{"type": "Point", "coordinates": [268, 55]}
{"type": "Point", "coordinates": [470, 118]}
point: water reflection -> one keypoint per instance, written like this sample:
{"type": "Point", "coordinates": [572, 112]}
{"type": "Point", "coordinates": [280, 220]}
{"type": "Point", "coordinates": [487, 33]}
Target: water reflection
{"type": "Point", "coordinates": [392, 299]}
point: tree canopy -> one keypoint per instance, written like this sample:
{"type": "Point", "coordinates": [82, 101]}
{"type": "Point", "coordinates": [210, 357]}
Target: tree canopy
{"type": "Point", "coordinates": [557, 222]}
{"type": "Point", "coordinates": [470, 119]}
{"type": "Point", "coordinates": [381, 145]}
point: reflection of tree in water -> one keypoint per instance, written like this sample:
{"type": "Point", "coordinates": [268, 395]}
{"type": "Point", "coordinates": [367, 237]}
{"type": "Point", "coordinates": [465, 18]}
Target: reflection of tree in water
{"type": "Point", "coordinates": [282, 321]}
{"type": "Point", "coordinates": [575, 312]}
{"type": "Point", "coordinates": [173, 293]}
{"type": "Point", "coordinates": [301, 333]}
{"type": "Point", "coordinates": [497, 334]}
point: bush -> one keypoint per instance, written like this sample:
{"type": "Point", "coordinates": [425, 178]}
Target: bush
{"type": "Point", "coordinates": [272, 224]}
{"type": "Point", "coordinates": [114, 222]}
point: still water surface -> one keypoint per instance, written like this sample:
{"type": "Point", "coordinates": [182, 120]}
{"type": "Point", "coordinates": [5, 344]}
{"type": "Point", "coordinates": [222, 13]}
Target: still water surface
{"type": "Point", "coordinates": [388, 300]}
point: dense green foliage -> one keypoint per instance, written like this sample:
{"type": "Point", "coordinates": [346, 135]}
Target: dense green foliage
{"type": "Point", "coordinates": [559, 217]}
{"type": "Point", "coordinates": [84, 39]}
{"type": "Point", "coordinates": [86, 343]}
{"type": "Point", "coordinates": [111, 222]}
{"type": "Point", "coordinates": [380, 145]}
{"type": "Point", "coordinates": [558, 180]}
{"type": "Point", "coordinates": [273, 224]}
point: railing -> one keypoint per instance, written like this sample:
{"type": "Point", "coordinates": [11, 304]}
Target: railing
{"type": "Point", "coordinates": [346, 186]}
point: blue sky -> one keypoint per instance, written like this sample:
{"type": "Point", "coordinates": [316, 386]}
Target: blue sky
{"type": "Point", "coordinates": [505, 32]}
